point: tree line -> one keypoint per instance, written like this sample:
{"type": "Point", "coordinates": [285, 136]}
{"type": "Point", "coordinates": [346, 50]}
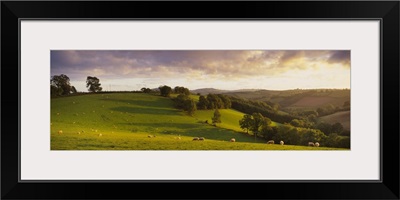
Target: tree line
{"type": "Point", "coordinates": [249, 107]}
{"type": "Point", "coordinates": [60, 85]}
{"type": "Point", "coordinates": [261, 127]}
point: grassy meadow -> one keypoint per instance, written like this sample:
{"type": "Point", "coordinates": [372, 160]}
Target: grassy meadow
{"type": "Point", "coordinates": [124, 121]}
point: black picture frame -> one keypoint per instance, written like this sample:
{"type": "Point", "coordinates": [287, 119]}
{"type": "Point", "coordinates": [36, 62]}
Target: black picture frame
{"type": "Point", "coordinates": [386, 11]}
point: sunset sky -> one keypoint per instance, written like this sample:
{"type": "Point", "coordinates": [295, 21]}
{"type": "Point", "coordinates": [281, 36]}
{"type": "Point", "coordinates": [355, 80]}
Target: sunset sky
{"type": "Point", "coordinates": [194, 69]}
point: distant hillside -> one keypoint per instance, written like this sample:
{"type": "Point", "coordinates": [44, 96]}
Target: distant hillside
{"type": "Point", "coordinates": [341, 117]}
{"type": "Point", "coordinates": [205, 91]}
{"type": "Point", "coordinates": [297, 98]}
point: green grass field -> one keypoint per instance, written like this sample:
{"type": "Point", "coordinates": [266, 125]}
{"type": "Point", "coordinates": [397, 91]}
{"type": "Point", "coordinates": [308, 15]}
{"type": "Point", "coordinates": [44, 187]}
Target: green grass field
{"type": "Point", "coordinates": [123, 121]}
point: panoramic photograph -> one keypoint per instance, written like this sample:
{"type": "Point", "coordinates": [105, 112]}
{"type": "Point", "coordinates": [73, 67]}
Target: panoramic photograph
{"type": "Point", "coordinates": [200, 100]}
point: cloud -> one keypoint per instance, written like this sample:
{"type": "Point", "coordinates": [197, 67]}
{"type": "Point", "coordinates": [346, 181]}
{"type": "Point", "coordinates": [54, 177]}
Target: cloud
{"type": "Point", "coordinates": [225, 64]}
{"type": "Point", "coordinates": [342, 57]}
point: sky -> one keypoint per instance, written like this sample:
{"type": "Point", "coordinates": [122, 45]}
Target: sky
{"type": "Point", "coordinates": [127, 70]}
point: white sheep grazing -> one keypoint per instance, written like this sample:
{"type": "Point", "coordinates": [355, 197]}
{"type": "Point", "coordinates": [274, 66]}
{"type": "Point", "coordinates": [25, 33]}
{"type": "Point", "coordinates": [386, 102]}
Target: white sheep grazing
{"type": "Point", "coordinates": [195, 139]}
{"type": "Point", "coordinates": [179, 138]}
{"type": "Point", "coordinates": [281, 142]}
{"type": "Point", "coordinates": [311, 144]}
{"type": "Point", "coordinates": [149, 136]}
{"type": "Point", "coordinates": [201, 139]}
{"type": "Point", "coordinates": [79, 133]}
{"type": "Point", "coordinates": [233, 140]}
{"type": "Point", "coordinates": [271, 142]}
{"type": "Point", "coordinates": [100, 135]}
{"type": "Point", "coordinates": [60, 132]}
{"type": "Point", "coordinates": [316, 144]}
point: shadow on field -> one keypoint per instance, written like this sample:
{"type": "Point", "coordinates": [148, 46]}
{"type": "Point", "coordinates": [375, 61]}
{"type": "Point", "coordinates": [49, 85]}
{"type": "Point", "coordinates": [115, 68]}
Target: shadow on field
{"type": "Point", "coordinates": [155, 103]}
{"type": "Point", "coordinates": [191, 130]}
{"type": "Point", "coordinates": [147, 110]}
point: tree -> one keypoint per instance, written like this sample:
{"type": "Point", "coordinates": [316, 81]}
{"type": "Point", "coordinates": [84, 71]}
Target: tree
{"type": "Point", "coordinates": [246, 123]}
{"type": "Point", "coordinates": [311, 135]}
{"type": "Point", "coordinates": [186, 103]}
{"type": "Point", "coordinates": [93, 84]}
{"type": "Point", "coordinates": [165, 91]}
{"type": "Point", "coordinates": [269, 132]}
{"type": "Point", "coordinates": [203, 103]}
{"type": "Point", "coordinates": [217, 117]}
{"type": "Point", "coordinates": [146, 90]}
{"type": "Point", "coordinates": [214, 101]}
{"type": "Point", "coordinates": [61, 82]}
{"type": "Point", "coordinates": [190, 106]}
{"type": "Point", "coordinates": [181, 90]}
{"type": "Point", "coordinates": [180, 101]}
{"type": "Point", "coordinates": [337, 128]}
{"type": "Point", "coordinates": [258, 121]}
{"type": "Point", "coordinates": [55, 91]}
{"type": "Point", "coordinates": [73, 90]}
{"type": "Point", "coordinates": [297, 123]}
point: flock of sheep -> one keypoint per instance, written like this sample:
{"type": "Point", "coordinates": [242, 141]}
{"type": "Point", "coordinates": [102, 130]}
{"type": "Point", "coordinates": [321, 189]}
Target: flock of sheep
{"type": "Point", "coordinates": [316, 144]}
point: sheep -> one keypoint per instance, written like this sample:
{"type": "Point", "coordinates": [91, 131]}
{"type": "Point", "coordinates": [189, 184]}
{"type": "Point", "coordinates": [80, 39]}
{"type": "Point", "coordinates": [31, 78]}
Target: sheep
{"type": "Point", "coordinates": [60, 132]}
{"type": "Point", "coordinates": [100, 135]}
{"type": "Point", "coordinates": [179, 138]}
{"type": "Point", "coordinates": [201, 139]}
{"type": "Point", "coordinates": [281, 142]}
{"type": "Point", "coordinates": [271, 142]}
{"type": "Point", "coordinates": [195, 139]}
{"type": "Point", "coordinates": [58, 113]}
{"type": "Point", "coordinates": [311, 144]}
{"type": "Point", "coordinates": [316, 144]}
{"type": "Point", "coordinates": [79, 133]}
{"type": "Point", "coordinates": [233, 140]}
{"type": "Point", "coordinates": [149, 136]}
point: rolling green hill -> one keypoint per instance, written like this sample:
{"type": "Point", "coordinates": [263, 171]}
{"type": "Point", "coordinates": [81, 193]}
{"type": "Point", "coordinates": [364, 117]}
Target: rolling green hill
{"type": "Point", "coordinates": [308, 99]}
{"type": "Point", "coordinates": [136, 121]}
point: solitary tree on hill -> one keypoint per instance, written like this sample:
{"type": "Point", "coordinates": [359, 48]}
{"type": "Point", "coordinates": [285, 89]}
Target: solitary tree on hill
{"type": "Point", "coordinates": [217, 117]}
{"type": "Point", "coordinates": [93, 84]}
{"type": "Point", "coordinates": [60, 85]}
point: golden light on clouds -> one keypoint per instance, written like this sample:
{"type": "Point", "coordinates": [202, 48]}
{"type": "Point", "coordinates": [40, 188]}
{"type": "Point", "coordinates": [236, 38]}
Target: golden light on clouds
{"type": "Point", "coordinates": [224, 69]}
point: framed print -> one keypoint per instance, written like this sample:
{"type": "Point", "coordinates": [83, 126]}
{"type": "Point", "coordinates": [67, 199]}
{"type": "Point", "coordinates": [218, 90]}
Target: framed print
{"type": "Point", "coordinates": [281, 95]}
